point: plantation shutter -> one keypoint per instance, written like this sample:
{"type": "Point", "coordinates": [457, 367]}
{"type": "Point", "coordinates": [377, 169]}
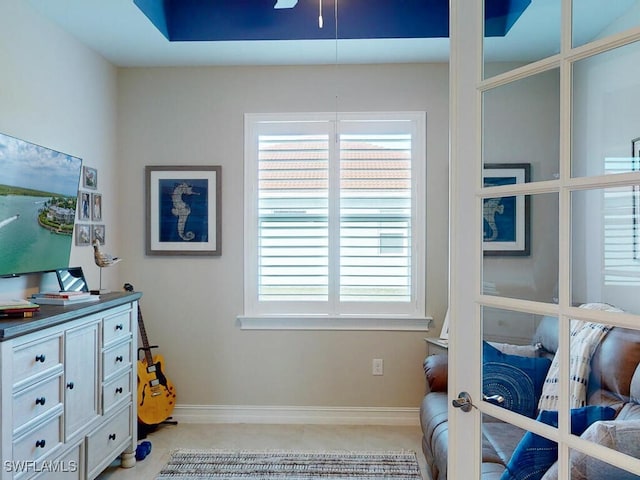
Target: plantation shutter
{"type": "Point", "coordinates": [293, 217]}
{"type": "Point", "coordinates": [335, 230]}
{"type": "Point", "coordinates": [375, 217]}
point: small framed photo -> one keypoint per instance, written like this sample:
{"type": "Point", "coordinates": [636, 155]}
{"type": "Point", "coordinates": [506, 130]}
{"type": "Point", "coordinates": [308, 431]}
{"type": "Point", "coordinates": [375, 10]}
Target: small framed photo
{"type": "Point", "coordinates": [84, 211]}
{"type": "Point", "coordinates": [96, 207]}
{"type": "Point", "coordinates": [98, 233]}
{"type": "Point", "coordinates": [83, 234]}
{"type": "Point", "coordinates": [89, 178]}
{"type": "Point", "coordinates": [183, 210]}
{"type": "Point", "coordinates": [506, 219]}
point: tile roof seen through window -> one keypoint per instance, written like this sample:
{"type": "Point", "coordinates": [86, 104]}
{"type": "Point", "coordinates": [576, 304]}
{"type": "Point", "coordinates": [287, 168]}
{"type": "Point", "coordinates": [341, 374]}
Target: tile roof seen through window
{"type": "Point", "coordinates": [304, 165]}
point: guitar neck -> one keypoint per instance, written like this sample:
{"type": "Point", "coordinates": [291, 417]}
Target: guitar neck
{"type": "Point", "coordinates": [145, 341]}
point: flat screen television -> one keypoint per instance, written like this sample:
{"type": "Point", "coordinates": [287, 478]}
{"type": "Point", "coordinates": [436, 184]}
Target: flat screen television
{"type": "Point", "coordinates": [38, 196]}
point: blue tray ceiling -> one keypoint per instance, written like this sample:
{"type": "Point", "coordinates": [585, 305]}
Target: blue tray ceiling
{"type": "Point", "coordinates": [223, 20]}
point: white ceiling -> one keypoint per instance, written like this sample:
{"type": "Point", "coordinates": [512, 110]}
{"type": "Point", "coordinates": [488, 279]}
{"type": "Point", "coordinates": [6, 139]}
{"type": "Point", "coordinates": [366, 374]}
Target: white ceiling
{"type": "Point", "coordinates": [122, 34]}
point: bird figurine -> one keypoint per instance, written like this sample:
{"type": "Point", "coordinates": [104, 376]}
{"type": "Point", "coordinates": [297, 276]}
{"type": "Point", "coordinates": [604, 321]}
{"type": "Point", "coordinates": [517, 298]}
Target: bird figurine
{"type": "Point", "coordinates": [103, 259]}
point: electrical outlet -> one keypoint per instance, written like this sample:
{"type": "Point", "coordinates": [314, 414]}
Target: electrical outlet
{"type": "Point", "coordinates": [377, 367]}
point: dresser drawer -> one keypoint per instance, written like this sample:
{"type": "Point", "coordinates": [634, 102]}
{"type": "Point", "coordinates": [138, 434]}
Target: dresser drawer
{"type": "Point", "coordinates": [36, 401]}
{"type": "Point", "coordinates": [109, 440]}
{"type": "Point", "coordinates": [38, 442]}
{"type": "Point", "coordinates": [115, 359]}
{"type": "Point", "coordinates": [116, 327]}
{"type": "Point", "coordinates": [36, 357]}
{"type": "Point", "coordinates": [65, 467]}
{"type": "Point", "coordinates": [115, 391]}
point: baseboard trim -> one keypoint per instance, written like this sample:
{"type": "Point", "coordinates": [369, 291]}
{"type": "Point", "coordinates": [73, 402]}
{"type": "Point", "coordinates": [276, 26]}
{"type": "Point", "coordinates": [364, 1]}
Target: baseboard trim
{"type": "Point", "coordinates": [400, 416]}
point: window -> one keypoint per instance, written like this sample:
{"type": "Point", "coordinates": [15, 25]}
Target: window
{"type": "Point", "coordinates": [334, 214]}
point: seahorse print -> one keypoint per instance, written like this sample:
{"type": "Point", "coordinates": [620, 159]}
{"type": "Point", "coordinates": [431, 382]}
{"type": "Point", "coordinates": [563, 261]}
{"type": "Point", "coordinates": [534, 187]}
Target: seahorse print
{"type": "Point", "coordinates": [489, 209]}
{"type": "Point", "coordinates": [181, 209]}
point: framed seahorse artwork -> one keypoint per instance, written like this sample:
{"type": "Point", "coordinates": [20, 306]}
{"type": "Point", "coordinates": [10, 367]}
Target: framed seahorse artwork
{"type": "Point", "coordinates": [506, 219]}
{"type": "Point", "coordinates": [183, 210]}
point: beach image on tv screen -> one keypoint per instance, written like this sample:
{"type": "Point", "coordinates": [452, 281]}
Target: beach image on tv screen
{"type": "Point", "coordinates": [38, 196]}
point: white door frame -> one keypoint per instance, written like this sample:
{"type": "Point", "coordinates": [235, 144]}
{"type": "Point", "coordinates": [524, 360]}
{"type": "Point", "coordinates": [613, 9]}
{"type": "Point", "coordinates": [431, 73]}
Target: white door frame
{"type": "Point", "coordinates": [465, 440]}
{"type": "Point", "coordinates": [464, 170]}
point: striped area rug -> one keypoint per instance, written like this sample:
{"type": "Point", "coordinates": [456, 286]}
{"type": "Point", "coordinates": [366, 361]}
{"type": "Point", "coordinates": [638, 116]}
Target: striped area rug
{"type": "Point", "coordinates": [285, 465]}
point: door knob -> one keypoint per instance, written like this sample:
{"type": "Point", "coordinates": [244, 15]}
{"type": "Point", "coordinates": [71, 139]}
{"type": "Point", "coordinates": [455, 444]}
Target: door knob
{"type": "Point", "coordinates": [463, 402]}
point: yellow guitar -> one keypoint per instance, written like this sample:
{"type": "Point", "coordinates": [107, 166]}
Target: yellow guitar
{"type": "Point", "coordinates": [156, 394]}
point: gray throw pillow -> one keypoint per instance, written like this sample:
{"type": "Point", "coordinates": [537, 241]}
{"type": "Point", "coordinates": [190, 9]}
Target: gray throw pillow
{"type": "Point", "coordinates": [623, 436]}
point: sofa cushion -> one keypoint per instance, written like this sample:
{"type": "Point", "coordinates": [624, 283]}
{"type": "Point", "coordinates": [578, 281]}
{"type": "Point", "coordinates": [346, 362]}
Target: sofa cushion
{"type": "Point", "coordinates": [436, 372]}
{"type": "Point", "coordinates": [623, 436]}
{"type": "Point", "coordinates": [517, 379]}
{"type": "Point", "coordinates": [433, 420]}
{"type": "Point", "coordinates": [535, 454]}
{"type": "Point", "coordinates": [615, 362]}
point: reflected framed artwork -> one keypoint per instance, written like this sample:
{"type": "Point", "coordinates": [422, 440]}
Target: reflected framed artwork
{"type": "Point", "coordinates": [506, 220]}
{"type": "Point", "coordinates": [183, 210]}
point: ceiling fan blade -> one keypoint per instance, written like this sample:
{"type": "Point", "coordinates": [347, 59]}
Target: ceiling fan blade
{"type": "Point", "coordinates": [285, 4]}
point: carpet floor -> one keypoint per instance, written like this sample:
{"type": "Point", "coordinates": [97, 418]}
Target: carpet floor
{"type": "Point", "coordinates": [186, 464]}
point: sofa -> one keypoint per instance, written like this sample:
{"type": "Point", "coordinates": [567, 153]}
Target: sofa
{"type": "Point", "coordinates": [613, 382]}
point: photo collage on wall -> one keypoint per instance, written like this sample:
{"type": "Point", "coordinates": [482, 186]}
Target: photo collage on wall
{"type": "Point", "coordinates": [89, 210]}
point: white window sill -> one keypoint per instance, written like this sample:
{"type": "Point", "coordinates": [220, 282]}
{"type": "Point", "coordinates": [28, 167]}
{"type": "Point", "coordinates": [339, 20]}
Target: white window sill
{"type": "Point", "coordinates": [317, 322]}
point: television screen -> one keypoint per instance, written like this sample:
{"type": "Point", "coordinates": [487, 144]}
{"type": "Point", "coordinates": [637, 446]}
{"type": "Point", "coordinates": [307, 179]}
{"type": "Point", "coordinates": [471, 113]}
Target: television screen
{"type": "Point", "coordinates": [38, 195]}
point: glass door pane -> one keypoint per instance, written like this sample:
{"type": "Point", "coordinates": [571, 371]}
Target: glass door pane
{"type": "Point", "coordinates": [605, 113]}
{"type": "Point", "coordinates": [596, 19]}
{"type": "Point", "coordinates": [605, 241]}
{"type": "Point", "coordinates": [521, 122]}
{"type": "Point", "coordinates": [518, 33]}
{"type": "Point", "coordinates": [516, 273]}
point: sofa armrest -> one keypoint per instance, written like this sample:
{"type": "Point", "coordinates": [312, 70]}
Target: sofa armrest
{"type": "Point", "coordinates": [436, 372]}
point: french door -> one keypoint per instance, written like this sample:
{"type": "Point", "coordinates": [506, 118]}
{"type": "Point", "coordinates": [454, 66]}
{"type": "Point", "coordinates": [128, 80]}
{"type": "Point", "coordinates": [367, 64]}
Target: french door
{"type": "Point", "coordinates": [544, 226]}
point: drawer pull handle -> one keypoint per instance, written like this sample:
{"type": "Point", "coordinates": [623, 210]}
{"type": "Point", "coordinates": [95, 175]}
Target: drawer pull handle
{"type": "Point", "coordinates": [41, 401]}
{"type": "Point", "coordinates": [41, 358]}
{"type": "Point", "coordinates": [70, 385]}
{"type": "Point", "coordinates": [119, 390]}
{"type": "Point", "coordinates": [40, 443]}
{"type": "Point", "coordinates": [112, 436]}
{"type": "Point", "coordinates": [119, 358]}
{"type": "Point", "coordinates": [119, 327]}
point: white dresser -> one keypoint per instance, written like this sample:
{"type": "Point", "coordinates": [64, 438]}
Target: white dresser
{"type": "Point", "coordinates": [67, 390]}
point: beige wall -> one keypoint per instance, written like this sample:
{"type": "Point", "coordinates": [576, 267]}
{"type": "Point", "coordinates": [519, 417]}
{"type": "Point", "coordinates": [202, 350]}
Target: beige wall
{"type": "Point", "coordinates": [57, 93]}
{"type": "Point", "coordinates": [194, 116]}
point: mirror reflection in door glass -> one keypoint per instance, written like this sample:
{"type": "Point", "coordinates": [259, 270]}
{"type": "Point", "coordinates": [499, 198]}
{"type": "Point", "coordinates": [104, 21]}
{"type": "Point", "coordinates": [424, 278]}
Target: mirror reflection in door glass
{"type": "Point", "coordinates": [520, 34]}
{"type": "Point", "coordinates": [596, 20]}
{"type": "Point", "coordinates": [510, 271]}
{"type": "Point", "coordinates": [513, 453]}
{"type": "Point", "coordinates": [585, 467]}
{"type": "Point", "coordinates": [604, 376]}
{"type": "Point", "coordinates": [517, 349]}
{"type": "Point", "coordinates": [521, 124]}
{"type": "Point", "coordinates": [605, 121]}
{"type": "Point", "coordinates": [605, 247]}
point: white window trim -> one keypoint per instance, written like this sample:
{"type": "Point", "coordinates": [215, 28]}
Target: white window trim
{"type": "Point", "coordinates": [341, 322]}
{"type": "Point", "coordinates": [254, 318]}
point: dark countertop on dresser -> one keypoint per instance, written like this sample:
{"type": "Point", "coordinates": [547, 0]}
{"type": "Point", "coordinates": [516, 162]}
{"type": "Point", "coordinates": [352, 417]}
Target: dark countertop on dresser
{"type": "Point", "coordinates": [50, 315]}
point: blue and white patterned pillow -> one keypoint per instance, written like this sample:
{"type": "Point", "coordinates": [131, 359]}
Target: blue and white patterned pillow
{"type": "Point", "coordinates": [516, 378]}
